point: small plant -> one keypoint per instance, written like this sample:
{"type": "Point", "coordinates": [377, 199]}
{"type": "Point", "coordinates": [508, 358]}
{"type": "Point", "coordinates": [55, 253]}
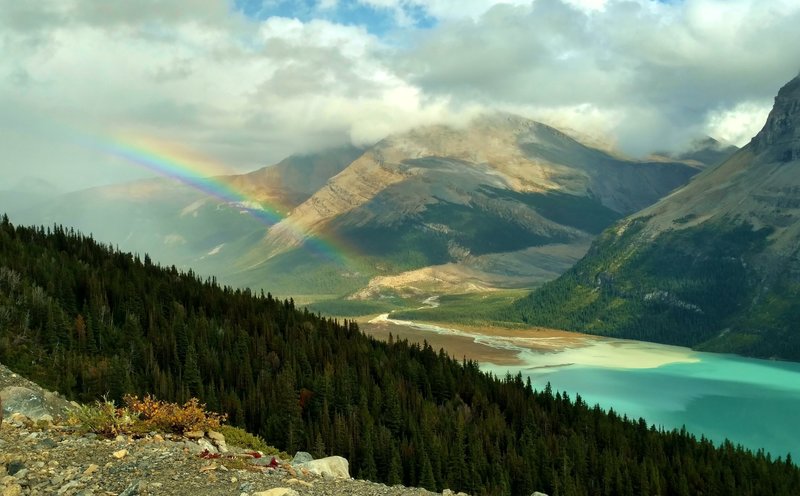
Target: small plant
{"type": "Point", "coordinates": [235, 436]}
{"type": "Point", "coordinates": [103, 417]}
{"type": "Point", "coordinates": [159, 415]}
{"type": "Point", "coordinates": [140, 416]}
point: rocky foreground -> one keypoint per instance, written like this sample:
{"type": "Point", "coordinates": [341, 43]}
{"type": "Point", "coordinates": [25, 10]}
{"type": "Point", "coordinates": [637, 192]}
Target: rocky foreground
{"type": "Point", "coordinates": [42, 455]}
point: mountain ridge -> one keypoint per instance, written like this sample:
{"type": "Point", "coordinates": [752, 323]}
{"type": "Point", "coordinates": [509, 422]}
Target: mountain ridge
{"type": "Point", "coordinates": [500, 185]}
{"type": "Point", "coordinates": [713, 265]}
{"type": "Point", "coordinates": [476, 199]}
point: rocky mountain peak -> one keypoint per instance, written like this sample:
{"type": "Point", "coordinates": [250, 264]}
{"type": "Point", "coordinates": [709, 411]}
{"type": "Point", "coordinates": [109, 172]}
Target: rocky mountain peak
{"type": "Point", "coordinates": [780, 137]}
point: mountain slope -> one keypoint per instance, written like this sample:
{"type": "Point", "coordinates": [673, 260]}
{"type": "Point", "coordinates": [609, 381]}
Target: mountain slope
{"type": "Point", "coordinates": [714, 265]}
{"type": "Point", "coordinates": [88, 321]}
{"type": "Point", "coordinates": [441, 195]}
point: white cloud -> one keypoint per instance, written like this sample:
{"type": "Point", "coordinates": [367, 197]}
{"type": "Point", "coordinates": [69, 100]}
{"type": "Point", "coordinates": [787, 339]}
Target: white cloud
{"type": "Point", "coordinates": [643, 74]}
{"type": "Point", "coordinates": [740, 123]}
{"type": "Point", "coordinates": [664, 67]}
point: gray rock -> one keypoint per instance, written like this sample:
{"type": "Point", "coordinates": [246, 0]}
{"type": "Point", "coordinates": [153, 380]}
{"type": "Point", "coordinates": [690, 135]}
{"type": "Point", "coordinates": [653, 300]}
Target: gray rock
{"type": "Point", "coordinates": [132, 490]}
{"type": "Point", "coordinates": [278, 491]}
{"type": "Point", "coordinates": [264, 461]}
{"type": "Point", "coordinates": [69, 486]}
{"type": "Point", "coordinates": [246, 487]}
{"type": "Point", "coordinates": [206, 445]}
{"type": "Point", "coordinates": [22, 400]}
{"type": "Point", "coordinates": [217, 437]}
{"type": "Point", "coordinates": [13, 467]}
{"type": "Point", "coordinates": [537, 493]}
{"type": "Point", "coordinates": [193, 448]}
{"type": "Point", "coordinates": [301, 457]}
{"type": "Point", "coordinates": [46, 443]}
{"type": "Point", "coordinates": [332, 466]}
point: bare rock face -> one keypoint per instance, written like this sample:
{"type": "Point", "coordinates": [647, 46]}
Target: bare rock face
{"type": "Point", "coordinates": [780, 137]}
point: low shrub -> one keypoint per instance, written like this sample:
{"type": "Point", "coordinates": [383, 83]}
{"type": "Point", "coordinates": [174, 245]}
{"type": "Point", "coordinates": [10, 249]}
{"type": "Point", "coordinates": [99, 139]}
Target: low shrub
{"type": "Point", "coordinates": [235, 436]}
{"type": "Point", "coordinates": [104, 418]}
{"type": "Point", "coordinates": [140, 416]}
{"type": "Point", "coordinates": [170, 417]}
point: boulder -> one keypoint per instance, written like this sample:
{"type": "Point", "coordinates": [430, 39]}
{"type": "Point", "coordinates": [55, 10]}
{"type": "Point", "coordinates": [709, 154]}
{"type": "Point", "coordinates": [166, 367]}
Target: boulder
{"type": "Point", "coordinates": [332, 466]}
{"type": "Point", "coordinates": [206, 445]}
{"type": "Point", "coordinates": [16, 399]}
{"type": "Point", "coordinates": [217, 437]}
{"type": "Point", "coordinates": [219, 441]}
{"type": "Point", "coordinates": [301, 457]}
{"type": "Point", "coordinates": [537, 493]}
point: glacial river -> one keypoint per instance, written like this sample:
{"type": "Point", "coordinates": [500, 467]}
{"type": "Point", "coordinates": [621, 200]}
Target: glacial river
{"type": "Point", "coordinates": [752, 402]}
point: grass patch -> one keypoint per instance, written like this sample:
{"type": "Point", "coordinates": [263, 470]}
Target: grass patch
{"type": "Point", "coordinates": [356, 308]}
{"type": "Point", "coordinates": [471, 308]}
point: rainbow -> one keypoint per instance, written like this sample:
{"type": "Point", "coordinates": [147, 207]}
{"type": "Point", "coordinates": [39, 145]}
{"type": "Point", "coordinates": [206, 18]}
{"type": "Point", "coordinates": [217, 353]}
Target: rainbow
{"type": "Point", "coordinates": [209, 177]}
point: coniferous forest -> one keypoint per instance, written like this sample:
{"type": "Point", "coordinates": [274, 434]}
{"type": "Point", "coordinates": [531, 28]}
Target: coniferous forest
{"type": "Point", "coordinates": [88, 320]}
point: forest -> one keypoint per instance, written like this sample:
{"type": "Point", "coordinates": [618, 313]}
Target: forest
{"type": "Point", "coordinates": [89, 320]}
{"type": "Point", "coordinates": [700, 287]}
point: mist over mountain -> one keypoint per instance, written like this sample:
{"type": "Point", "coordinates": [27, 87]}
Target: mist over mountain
{"type": "Point", "coordinates": [501, 202]}
{"type": "Point", "coordinates": [461, 203]}
{"type": "Point", "coordinates": [178, 224]}
{"type": "Point", "coordinates": [26, 193]}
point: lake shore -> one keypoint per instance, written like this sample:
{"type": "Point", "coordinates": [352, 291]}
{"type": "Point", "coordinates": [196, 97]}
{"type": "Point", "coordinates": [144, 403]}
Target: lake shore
{"type": "Point", "coordinates": [534, 348]}
{"type": "Point", "coordinates": [492, 344]}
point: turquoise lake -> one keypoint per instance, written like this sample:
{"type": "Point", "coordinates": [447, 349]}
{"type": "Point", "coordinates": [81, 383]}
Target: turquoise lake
{"type": "Point", "coordinates": [755, 403]}
{"type": "Point", "coordinates": [752, 402]}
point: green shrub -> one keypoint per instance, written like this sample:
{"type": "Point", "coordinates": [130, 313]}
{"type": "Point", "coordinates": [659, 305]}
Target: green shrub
{"type": "Point", "coordinates": [104, 418]}
{"type": "Point", "coordinates": [235, 436]}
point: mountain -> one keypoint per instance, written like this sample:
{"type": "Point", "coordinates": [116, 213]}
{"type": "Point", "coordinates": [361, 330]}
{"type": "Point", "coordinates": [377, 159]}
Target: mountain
{"type": "Point", "coordinates": [501, 202]}
{"type": "Point", "coordinates": [88, 321]}
{"type": "Point", "coordinates": [705, 151]}
{"type": "Point", "coordinates": [178, 224]}
{"type": "Point", "coordinates": [27, 193]}
{"type": "Point", "coordinates": [476, 201]}
{"type": "Point", "coordinates": [714, 265]}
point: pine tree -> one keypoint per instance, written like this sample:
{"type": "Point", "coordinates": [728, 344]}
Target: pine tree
{"type": "Point", "coordinates": [426, 478]}
{"type": "Point", "coordinates": [191, 374]}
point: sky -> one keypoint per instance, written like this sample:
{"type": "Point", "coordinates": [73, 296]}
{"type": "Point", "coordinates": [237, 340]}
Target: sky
{"type": "Point", "coordinates": [245, 83]}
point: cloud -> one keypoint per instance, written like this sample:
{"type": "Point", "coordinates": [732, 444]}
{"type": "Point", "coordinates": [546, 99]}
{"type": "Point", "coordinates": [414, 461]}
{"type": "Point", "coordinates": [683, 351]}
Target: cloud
{"type": "Point", "coordinates": [665, 67]}
{"type": "Point", "coordinates": [244, 93]}
{"type": "Point", "coordinates": [740, 123]}
{"type": "Point", "coordinates": [245, 87]}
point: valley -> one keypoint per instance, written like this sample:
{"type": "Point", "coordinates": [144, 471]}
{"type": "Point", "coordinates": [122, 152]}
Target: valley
{"type": "Point", "coordinates": [500, 202]}
{"type": "Point", "coordinates": [484, 248]}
